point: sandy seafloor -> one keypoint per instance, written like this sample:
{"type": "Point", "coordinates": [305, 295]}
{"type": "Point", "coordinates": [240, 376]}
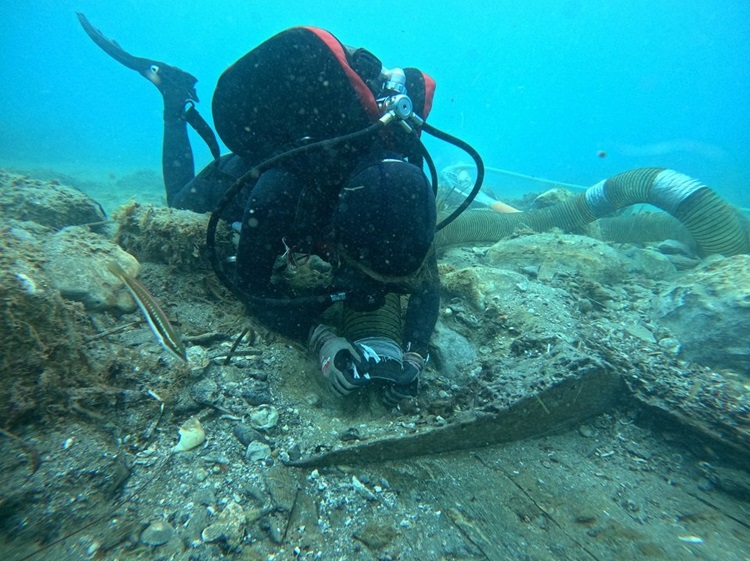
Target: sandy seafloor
{"type": "Point", "coordinates": [629, 483]}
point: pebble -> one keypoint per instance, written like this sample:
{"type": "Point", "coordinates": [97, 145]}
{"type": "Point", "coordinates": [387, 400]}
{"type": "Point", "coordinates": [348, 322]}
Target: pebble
{"type": "Point", "coordinates": [670, 344]}
{"type": "Point", "coordinates": [258, 451]}
{"type": "Point", "coordinates": [641, 332]}
{"type": "Point", "coordinates": [259, 395]}
{"type": "Point", "coordinates": [205, 497]}
{"type": "Point", "coordinates": [295, 453]}
{"type": "Point", "coordinates": [350, 434]}
{"type": "Point", "coordinates": [531, 271]}
{"type": "Point", "coordinates": [376, 535]}
{"type": "Point", "coordinates": [312, 399]}
{"type": "Point", "coordinates": [246, 434]}
{"type": "Point", "coordinates": [586, 431]}
{"type": "Point", "coordinates": [229, 527]}
{"type": "Point", "coordinates": [205, 391]}
{"type": "Point", "coordinates": [157, 533]}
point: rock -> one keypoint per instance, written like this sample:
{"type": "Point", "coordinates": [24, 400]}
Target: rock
{"type": "Point", "coordinates": [708, 311]}
{"type": "Point", "coordinates": [528, 306]}
{"type": "Point", "coordinates": [454, 353]}
{"type": "Point", "coordinates": [552, 197]}
{"type": "Point", "coordinates": [376, 534]}
{"type": "Point", "coordinates": [258, 395]}
{"type": "Point", "coordinates": [228, 528]}
{"type": "Point", "coordinates": [650, 264]}
{"type": "Point", "coordinates": [205, 391]}
{"type": "Point", "coordinates": [313, 399]}
{"type": "Point", "coordinates": [258, 451]}
{"type": "Point", "coordinates": [556, 254]}
{"type": "Point", "coordinates": [46, 202]}
{"type": "Point", "coordinates": [641, 332]}
{"type": "Point", "coordinates": [682, 263]}
{"type": "Point", "coordinates": [586, 431]}
{"type": "Point", "coordinates": [670, 344]}
{"type": "Point", "coordinates": [40, 333]}
{"type": "Point", "coordinates": [157, 533]}
{"type": "Point", "coordinates": [735, 482]}
{"type": "Point", "coordinates": [77, 266]}
{"type": "Point", "coordinates": [246, 434]}
{"type": "Point", "coordinates": [674, 247]}
{"type": "Point", "coordinates": [205, 496]}
{"type": "Point", "coordinates": [165, 235]}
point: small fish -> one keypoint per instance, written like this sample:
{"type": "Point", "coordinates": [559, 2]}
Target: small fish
{"type": "Point", "coordinates": [155, 316]}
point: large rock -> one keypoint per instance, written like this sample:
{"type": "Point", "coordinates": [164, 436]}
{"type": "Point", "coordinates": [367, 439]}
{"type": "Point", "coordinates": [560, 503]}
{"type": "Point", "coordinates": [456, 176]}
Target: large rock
{"type": "Point", "coordinates": [46, 202]}
{"type": "Point", "coordinates": [166, 235]}
{"type": "Point", "coordinates": [708, 310]}
{"type": "Point", "coordinates": [76, 263]}
{"type": "Point", "coordinates": [554, 254]}
{"type": "Point", "coordinates": [40, 342]}
{"type": "Point", "coordinates": [455, 354]}
{"type": "Point", "coordinates": [496, 295]}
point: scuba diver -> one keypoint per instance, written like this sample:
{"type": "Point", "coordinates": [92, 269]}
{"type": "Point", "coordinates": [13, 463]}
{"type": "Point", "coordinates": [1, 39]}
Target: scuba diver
{"type": "Point", "coordinates": [316, 169]}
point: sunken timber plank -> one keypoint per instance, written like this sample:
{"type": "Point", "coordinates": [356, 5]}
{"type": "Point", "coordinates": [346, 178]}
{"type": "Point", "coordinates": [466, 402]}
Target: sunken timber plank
{"type": "Point", "coordinates": [706, 403]}
{"type": "Point", "coordinates": [553, 409]}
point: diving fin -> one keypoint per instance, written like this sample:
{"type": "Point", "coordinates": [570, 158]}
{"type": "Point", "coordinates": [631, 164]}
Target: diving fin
{"type": "Point", "coordinates": [170, 80]}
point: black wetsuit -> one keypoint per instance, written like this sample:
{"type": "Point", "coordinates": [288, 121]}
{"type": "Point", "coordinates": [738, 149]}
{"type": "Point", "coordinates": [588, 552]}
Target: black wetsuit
{"type": "Point", "coordinates": [295, 205]}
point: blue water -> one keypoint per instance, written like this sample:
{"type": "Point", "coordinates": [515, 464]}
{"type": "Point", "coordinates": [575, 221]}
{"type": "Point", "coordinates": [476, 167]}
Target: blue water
{"type": "Point", "coordinates": [539, 87]}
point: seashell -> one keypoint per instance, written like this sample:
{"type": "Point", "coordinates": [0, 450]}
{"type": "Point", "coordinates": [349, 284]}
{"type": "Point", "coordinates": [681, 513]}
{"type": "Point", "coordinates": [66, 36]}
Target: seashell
{"type": "Point", "coordinates": [191, 435]}
{"type": "Point", "coordinates": [264, 417]}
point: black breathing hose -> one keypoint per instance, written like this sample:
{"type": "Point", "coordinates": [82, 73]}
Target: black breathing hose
{"type": "Point", "coordinates": [477, 161]}
{"type": "Point", "coordinates": [430, 165]}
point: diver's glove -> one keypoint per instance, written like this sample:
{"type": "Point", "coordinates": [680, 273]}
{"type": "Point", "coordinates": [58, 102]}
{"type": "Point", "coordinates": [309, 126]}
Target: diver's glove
{"type": "Point", "coordinates": [344, 365]}
{"type": "Point", "coordinates": [386, 361]}
{"type": "Point", "coordinates": [407, 388]}
{"type": "Point", "coordinates": [414, 363]}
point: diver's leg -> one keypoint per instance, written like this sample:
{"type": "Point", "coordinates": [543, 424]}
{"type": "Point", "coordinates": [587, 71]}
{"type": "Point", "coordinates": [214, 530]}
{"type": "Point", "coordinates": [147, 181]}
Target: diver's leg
{"type": "Point", "coordinates": [177, 165]}
{"type": "Point", "coordinates": [269, 217]}
{"type": "Point", "coordinates": [203, 192]}
{"type": "Point", "coordinates": [177, 87]}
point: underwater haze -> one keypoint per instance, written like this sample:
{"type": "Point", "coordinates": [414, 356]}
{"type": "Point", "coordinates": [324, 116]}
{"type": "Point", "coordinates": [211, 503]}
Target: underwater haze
{"type": "Point", "coordinates": [572, 90]}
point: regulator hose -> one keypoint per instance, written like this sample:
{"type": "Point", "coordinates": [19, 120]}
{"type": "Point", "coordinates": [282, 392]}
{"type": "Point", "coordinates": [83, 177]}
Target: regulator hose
{"type": "Point", "coordinates": [477, 182]}
{"type": "Point", "coordinates": [712, 222]}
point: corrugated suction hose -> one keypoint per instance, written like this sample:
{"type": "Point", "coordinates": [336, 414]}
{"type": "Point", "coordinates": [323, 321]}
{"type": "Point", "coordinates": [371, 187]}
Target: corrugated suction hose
{"type": "Point", "coordinates": [713, 223]}
{"type": "Point", "coordinates": [386, 321]}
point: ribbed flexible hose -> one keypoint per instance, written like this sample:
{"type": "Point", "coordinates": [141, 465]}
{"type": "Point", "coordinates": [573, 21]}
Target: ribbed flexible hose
{"type": "Point", "coordinates": [711, 221]}
{"type": "Point", "coordinates": [386, 321]}
{"type": "Point", "coordinates": [643, 227]}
